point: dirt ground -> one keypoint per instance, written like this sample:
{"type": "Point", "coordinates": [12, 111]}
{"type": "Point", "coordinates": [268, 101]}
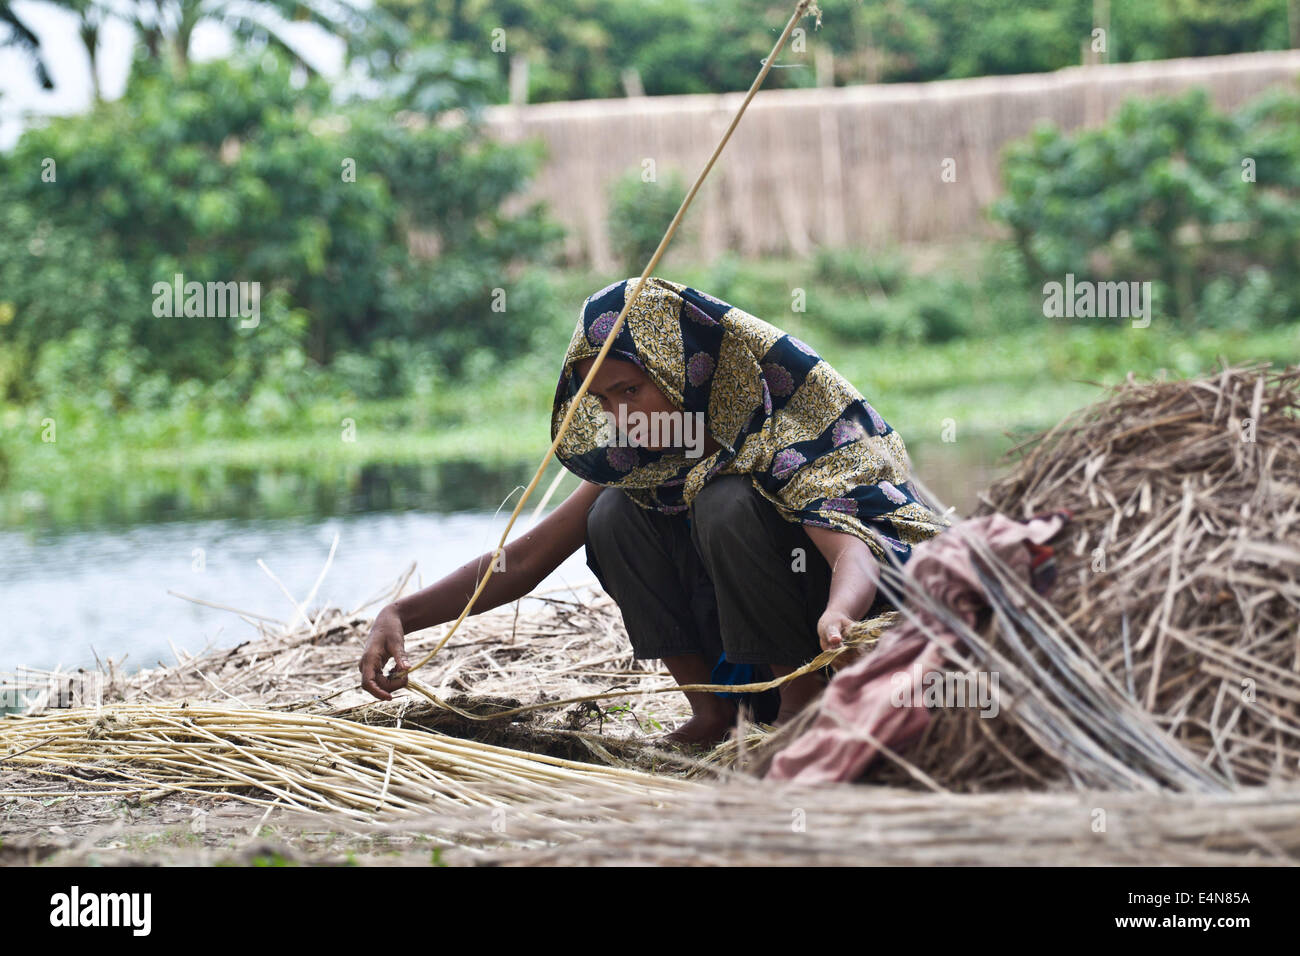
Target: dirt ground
{"type": "Point", "coordinates": [100, 830]}
{"type": "Point", "coordinates": [713, 825]}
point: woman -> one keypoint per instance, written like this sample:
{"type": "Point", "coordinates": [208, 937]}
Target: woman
{"type": "Point", "coordinates": [738, 495]}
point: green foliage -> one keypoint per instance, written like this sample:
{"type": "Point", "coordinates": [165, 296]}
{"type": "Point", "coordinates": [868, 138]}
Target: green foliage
{"type": "Point", "coordinates": [873, 297]}
{"type": "Point", "coordinates": [1144, 30]}
{"type": "Point", "coordinates": [639, 214]}
{"type": "Point", "coordinates": [233, 173]}
{"type": "Point", "coordinates": [1170, 191]}
{"type": "Point", "coordinates": [580, 49]}
{"type": "Point", "coordinates": [926, 310]}
{"type": "Point", "coordinates": [881, 273]}
{"type": "Point", "coordinates": [917, 40]}
{"type": "Point", "coordinates": [432, 79]}
{"type": "Point", "coordinates": [945, 39]}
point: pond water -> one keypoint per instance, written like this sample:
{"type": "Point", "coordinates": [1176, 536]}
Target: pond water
{"type": "Point", "coordinates": [68, 597]}
{"type": "Point", "coordinates": [71, 594]}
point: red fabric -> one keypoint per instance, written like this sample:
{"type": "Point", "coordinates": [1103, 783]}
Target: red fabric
{"type": "Point", "coordinates": [858, 705]}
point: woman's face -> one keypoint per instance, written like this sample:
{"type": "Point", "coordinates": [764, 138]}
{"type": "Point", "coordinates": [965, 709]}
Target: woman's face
{"type": "Point", "coordinates": [623, 389]}
{"type": "Point", "coordinates": [642, 411]}
{"type": "Point", "coordinates": [628, 394]}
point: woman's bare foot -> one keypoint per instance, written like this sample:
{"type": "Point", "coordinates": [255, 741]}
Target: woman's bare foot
{"type": "Point", "coordinates": [704, 729]}
{"type": "Point", "coordinates": [711, 716]}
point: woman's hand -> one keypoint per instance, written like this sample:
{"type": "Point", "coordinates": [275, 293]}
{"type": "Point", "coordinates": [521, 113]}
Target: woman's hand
{"type": "Point", "coordinates": [386, 640]}
{"type": "Point", "coordinates": [529, 558]}
{"type": "Point", "coordinates": [854, 574]}
{"type": "Point", "coordinates": [832, 628]}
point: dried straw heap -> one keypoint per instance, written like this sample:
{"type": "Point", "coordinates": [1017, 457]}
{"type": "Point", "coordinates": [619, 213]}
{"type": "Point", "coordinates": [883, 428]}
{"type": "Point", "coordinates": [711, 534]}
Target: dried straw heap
{"type": "Point", "coordinates": [1168, 653]}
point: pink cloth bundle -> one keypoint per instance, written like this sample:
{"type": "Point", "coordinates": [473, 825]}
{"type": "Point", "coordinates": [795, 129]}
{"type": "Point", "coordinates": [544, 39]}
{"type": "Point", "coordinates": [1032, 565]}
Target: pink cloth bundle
{"type": "Point", "coordinates": [860, 705]}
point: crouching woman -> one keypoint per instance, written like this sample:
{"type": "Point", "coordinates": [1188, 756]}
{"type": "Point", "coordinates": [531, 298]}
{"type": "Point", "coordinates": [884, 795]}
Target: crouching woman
{"type": "Point", "coordinates": [738, 497]}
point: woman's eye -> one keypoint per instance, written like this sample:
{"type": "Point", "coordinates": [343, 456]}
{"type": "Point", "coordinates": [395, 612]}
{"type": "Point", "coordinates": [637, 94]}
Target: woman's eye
{"type": "Point", "coordinates": [631, 390]}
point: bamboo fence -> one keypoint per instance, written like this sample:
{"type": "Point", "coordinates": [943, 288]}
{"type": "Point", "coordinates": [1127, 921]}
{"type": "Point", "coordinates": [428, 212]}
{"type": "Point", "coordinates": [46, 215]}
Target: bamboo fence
{"type": "Point", "coordinates": [855, 165]}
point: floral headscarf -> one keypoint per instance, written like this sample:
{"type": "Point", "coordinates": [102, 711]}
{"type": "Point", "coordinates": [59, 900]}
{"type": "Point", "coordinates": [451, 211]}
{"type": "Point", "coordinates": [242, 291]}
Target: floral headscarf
{"type": "Point", "coordinates": [804, 436]}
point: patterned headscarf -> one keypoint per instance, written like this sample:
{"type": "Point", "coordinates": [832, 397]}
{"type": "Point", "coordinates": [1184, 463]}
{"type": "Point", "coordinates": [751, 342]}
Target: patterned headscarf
{"type": "Point", "coordinates": [804, 436]}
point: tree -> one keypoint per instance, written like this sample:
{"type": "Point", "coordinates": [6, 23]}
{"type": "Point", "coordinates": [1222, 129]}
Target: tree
{"type": "Point", "coordinates": [15, 32]}
{"type": "Point", "coordinates": [580, 49]}
{"type": "Point", "coordinates": [1171, 191]}
{"type": "Point", "coordinates": [361, 225]}
{"type": "Point", "coordinates": [166, 27]}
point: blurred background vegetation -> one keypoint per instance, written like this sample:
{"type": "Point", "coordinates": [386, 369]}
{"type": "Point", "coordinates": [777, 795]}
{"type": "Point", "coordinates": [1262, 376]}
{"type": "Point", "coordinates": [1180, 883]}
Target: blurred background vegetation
{"type": "Point", "coordinates": [385, 309]}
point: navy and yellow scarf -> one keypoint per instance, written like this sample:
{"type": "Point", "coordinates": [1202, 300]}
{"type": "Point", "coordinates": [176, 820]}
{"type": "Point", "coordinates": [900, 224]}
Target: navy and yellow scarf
{"type": "Point", "coordinates": [804, 436]}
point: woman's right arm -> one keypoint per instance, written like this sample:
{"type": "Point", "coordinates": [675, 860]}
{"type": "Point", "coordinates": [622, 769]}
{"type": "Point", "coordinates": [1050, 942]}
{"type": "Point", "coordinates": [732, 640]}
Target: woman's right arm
{"type": "Point", "coordinates": [528, 560]}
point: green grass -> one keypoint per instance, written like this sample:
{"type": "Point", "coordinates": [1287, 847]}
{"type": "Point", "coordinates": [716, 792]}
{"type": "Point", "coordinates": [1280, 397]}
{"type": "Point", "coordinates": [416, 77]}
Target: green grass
{"type": "Point", "coordinates": [1012, 372]}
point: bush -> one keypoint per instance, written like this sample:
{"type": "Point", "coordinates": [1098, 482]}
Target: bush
{"type": "Point", "coordinates": [923, 309]}
{"type": "Point", "coordinates": [639, 214]}
{"type": "Point", "coordinates": [873, 273]}
{"type": "Point", "coordinates": [1171, 192]}
{"type": "Point", "coordinates": [232, 172]}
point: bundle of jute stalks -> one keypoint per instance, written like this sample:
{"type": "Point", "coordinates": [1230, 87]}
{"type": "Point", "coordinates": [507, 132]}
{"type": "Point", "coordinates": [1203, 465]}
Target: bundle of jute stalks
{"type": "Point", "coordinates": [1168, 650]}
{"type": "Point", "coordinates": [297, 761]}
